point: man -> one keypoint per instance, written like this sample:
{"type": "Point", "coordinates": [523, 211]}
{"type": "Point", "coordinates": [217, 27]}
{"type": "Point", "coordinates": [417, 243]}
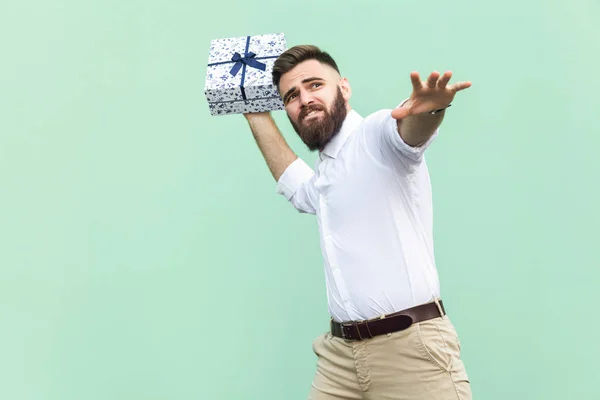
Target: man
{"type": "Point", "coordinates": [390, 337]}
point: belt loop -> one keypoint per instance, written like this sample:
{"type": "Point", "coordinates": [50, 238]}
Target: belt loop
{"type": "Point", "coordinates": [437, 303]}
{"type": "Point", "coordinates": [368, 330]}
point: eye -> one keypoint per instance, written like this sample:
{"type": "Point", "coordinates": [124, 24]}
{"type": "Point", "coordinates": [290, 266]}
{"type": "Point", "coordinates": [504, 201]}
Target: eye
{"type": "Point", "coordinates": [315, 85]}
{"type": "Point", "coordinates": [290, 98]}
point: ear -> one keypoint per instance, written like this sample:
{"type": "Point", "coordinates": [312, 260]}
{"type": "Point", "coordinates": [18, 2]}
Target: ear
{"type": "Point", "coordinates": [346, 88]}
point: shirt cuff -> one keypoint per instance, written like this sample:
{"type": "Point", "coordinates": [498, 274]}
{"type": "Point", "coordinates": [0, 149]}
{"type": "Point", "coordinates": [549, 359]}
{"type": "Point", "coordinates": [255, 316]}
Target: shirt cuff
{"type": "Point", "coordinates": [293, 177]}
{"type": "Point", "coordinates": [413, 152]}
{"type": "Point", "coordinates": [401, 145]}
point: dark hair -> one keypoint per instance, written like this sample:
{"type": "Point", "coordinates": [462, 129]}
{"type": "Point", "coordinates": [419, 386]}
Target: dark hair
{"type": "Point", "coordinates": [297, 54]}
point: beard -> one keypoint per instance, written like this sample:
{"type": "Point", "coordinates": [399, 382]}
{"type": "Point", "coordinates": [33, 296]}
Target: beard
{"type": "Point", "coordinates": [318, 131]}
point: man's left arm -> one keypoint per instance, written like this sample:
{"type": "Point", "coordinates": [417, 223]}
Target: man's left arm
{"type": "Point", "coordinates": [419, 117]}
{"type": "Point", "coordinates": [416, 130]}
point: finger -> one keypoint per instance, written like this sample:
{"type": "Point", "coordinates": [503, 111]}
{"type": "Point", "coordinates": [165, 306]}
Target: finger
{"type": "Point", "coordinates": [459, 86]}
{"type": "Point", "coordinates": [432, 80]}
{"type": "Point", "coordinates": [444, 80]}
{"type": "Point", "coordinates": [416, 80]}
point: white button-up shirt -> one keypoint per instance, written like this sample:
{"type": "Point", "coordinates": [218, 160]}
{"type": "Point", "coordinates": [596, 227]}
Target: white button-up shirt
{"type": "Point", "coordinates": [371, 194]}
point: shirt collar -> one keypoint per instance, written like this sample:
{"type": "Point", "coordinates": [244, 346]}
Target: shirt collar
{"type": "Point", "coordinates": [352, 120]}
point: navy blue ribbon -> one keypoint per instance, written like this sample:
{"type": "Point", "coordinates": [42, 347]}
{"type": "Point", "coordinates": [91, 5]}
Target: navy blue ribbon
{"type": "Point", "coordinates": [249, 59]}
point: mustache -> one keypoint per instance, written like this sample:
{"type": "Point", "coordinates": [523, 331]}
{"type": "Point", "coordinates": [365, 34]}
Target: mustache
{"type": "Point", "coordinates": [308, 109]}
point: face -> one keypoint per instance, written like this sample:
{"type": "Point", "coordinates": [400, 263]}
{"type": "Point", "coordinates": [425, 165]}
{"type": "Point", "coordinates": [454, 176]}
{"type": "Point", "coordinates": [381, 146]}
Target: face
{"type": "Point", "coordinates": [316, 102]}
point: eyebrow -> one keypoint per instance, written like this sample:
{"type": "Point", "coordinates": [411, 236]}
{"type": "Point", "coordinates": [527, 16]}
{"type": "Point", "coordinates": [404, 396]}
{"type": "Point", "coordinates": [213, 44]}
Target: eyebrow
{"type": "Point", "coordinates": [289, 92]}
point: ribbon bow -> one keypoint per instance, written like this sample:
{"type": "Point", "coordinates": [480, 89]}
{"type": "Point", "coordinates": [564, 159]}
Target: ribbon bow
{"type": "Point", "coordinates": [248, 60]}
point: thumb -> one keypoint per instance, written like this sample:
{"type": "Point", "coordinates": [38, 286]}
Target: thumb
{"type": "Point", "coordinates": [400, 112]}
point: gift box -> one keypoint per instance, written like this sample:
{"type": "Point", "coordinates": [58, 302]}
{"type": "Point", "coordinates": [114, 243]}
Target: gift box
{"type": "Point", "coordinates": [239, 74]}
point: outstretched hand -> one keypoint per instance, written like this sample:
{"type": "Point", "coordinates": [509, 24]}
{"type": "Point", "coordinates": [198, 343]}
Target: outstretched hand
{"type": "Point", "coordinates": [434, 94]}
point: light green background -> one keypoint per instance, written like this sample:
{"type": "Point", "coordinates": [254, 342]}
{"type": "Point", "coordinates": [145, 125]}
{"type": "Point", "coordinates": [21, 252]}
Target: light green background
{"type": "Point", "coordinates": [144, 253]}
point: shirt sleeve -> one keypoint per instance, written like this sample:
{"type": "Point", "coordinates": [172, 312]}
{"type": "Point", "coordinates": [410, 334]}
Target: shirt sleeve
{"type": "Point", "coordinates": [389, 142]}
{"type": "Point", "coordinates": [391, 137]}
{"type": "Point", "coordinates": [296, 184]}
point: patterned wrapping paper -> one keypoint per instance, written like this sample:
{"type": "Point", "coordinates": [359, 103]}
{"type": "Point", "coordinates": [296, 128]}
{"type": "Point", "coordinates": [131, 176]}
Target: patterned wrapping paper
{"type": "Point", "coordinates": [238, 77]}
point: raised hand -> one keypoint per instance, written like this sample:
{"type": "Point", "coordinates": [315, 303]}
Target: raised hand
{"type": "Point", "coordinates": [434, 94]}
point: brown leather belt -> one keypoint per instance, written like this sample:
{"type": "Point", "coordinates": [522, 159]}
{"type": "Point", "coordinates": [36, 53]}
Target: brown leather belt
{"type": "Point", "coordinates": [360, 330]}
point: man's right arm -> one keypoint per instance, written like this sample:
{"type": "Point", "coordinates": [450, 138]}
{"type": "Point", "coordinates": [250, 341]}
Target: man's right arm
{"type": "Point", "coordinates": [271, 143]}
{"type": "Point", "coordinates": [294, 178]}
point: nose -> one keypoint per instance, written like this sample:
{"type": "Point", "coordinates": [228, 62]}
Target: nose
{"type": "Point", "coordinates": [305, 98]}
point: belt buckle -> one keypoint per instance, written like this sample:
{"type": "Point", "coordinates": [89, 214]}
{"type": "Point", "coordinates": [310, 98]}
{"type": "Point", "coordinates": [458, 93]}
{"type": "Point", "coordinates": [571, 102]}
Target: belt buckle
{"type": "Point", "coordinates": [356, 325]}
{"type": "Point", "coordinates": [345, 325]}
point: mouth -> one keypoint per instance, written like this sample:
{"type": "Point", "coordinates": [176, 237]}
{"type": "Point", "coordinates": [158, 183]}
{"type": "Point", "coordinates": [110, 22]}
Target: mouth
{"type": "Point", "coordinates": [312, 113]}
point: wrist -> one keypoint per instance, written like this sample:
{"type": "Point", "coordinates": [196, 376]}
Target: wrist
{"type": "Point", "coordinates": [439, 110]}
{"type": "Point", "coordinates": [262, 116]}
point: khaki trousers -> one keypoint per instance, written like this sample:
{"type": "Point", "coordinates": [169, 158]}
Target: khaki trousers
{"type": "Point", "coordinates": [421, 362]}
